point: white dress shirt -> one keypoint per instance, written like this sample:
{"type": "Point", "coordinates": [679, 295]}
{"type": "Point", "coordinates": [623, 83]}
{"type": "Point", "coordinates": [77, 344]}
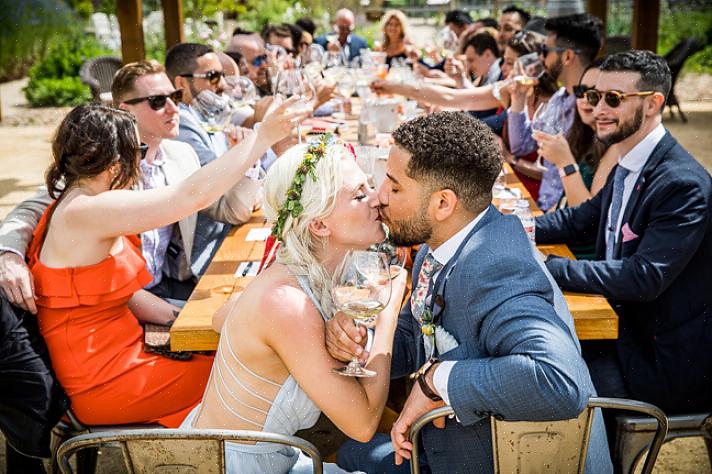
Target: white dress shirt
{"type": "Point", "coordinates": [634, 161]}
{"type": "Point", "coordinates": [443, 254]}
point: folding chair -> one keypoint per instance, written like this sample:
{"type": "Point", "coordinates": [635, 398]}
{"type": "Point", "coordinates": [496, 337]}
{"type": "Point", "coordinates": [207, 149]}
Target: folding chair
{"type": "Point", "coordinates": [548, 446]}
{"type": "Point", "coordinates": [171, 450]}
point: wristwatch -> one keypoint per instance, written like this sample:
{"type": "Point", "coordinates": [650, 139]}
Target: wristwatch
{"type": "Point", "coordinates": [420, 374]}
{"type": "Point", "coordinates": [568, 170]}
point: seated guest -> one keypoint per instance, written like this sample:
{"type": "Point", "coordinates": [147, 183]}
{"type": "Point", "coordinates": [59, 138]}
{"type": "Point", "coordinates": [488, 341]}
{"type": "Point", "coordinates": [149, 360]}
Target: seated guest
{"type": "Point", "coordinates": [197, 70]}
{"type": "Point", "coordinates": [89, 273]}
{"type": "Point", "coordinates": [306, 24]}
{"type": "Point", "coordinates": [272, 371]}
{"type": "Point", "coordinates": [143, 89]}
{"type": "Point", "coordinates": [346, 41]}
{"type": "Point", "coordinates": [584, 162]}
{"type": "Point", "coordinates": [572, 43]}
{"type": "Point", "coordinates": [512, 20]}
{"type": "Point", "coordinates": [394, 30]}
{"type": "Point", "coordinates": [482, 321]}
{"type": "Point", "coordinates": [252, 49]}
{"type": "Point", "coordinates": [651, 222]}
{"type": "Point", "coordinates": [279, 35]}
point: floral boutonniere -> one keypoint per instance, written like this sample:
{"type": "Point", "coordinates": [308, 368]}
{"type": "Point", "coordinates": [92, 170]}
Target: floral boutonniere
{"type": "Point", "coordinates": [434, 335]}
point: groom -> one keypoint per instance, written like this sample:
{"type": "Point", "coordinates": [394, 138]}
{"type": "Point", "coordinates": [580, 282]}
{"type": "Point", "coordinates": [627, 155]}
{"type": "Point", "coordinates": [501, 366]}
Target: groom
{"type": "Point", "coordinates": [477, 285]}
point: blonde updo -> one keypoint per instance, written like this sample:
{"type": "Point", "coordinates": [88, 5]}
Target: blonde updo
{"type": "Point", "coordinates": [318, 199]}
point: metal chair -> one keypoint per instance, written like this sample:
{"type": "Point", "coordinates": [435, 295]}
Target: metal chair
{"type": "Point", "coordinates": [548, 446]}
{"type": "Point", "coordinates": [676, 58]}
{"type": "Point", "coordinates": [171, 450]}
{"type": "Point", "coordinates": [98, 74]}
{"type": "Point", "coordinates": [633, 435]}
{"type": "Point", "coordinates": [86, 460]}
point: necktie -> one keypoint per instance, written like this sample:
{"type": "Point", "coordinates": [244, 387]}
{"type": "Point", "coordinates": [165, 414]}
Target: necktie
{"type": "Point", "coordinates": [427, 270]}
{"type": "Point", "coordinates": [616, 203]}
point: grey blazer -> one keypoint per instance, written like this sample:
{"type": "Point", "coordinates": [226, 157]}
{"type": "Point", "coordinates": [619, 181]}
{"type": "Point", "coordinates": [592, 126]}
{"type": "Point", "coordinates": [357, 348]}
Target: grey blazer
{"type": "Point", "coordinates": [517, 358]}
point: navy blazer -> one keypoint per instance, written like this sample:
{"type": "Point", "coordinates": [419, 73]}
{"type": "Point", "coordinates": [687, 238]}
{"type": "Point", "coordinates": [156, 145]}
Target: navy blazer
{"type": "Point", "coordinates": [517, 358]}
{"type": "Point", "coordinates": [356, 44]}
{"type": "Point", "coordinates": [661, 281]}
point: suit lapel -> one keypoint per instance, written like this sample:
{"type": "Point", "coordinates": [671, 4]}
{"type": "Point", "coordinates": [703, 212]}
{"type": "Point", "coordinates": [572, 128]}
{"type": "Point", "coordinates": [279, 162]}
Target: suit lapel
{"type": "Point", "coordinates": [659, 152]}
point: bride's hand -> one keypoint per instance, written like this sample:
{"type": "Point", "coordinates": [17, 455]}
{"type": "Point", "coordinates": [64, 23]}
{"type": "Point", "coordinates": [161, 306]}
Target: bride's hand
{"type": "Point", "coordinates": [345, 340]}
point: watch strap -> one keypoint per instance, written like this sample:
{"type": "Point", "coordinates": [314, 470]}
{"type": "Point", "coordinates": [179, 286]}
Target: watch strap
{"type": "Point", "coordinates": [420, 377]}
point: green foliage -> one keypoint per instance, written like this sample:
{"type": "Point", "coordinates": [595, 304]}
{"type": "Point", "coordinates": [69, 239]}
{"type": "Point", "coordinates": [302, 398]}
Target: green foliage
{"type": "Point", "coordinates": [685, 23]}
{"type": "Point", "coordinates": [57, 92]}
{"type": "Point", "coordinates": [28, 27]}
{"type": "Point", "coordinates": [83, 8]}
{"type": "Point", "coordinates": [54, 81]}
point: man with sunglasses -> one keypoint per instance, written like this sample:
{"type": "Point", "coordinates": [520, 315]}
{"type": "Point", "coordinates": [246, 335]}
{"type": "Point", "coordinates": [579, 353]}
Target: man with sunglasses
{"type": "Point", "coordinates": [346, 41]}
{"type": "Point", "coordinates": [572, 43]}
{"type": "Point", "coordinates": [254, 59]}
{"type": "Point", "coordinates": [143, 89]}
{"type": "Point", "coordinates": [652, 224]}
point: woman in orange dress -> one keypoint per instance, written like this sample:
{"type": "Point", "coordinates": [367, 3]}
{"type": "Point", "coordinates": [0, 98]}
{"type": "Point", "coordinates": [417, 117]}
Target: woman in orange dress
{"type": "Point", "coordinates": [89, 272]}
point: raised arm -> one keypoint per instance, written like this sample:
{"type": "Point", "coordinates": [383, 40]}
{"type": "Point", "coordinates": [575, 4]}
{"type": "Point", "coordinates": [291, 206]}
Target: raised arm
{"type": "Point", "coordinates": [478, 98]}
{"type": "Point", "coordinates": [123, 212]}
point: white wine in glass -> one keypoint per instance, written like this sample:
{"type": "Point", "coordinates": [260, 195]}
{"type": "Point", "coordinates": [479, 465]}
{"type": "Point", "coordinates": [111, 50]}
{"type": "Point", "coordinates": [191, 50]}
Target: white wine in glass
{"type": "Point", "coordinates": [361, 289]}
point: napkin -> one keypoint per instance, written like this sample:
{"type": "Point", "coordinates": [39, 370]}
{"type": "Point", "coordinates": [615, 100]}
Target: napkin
{"type": "Point", "coordinates": [260, 233]}
{"type": "Point", "coordinates": [247, 269]}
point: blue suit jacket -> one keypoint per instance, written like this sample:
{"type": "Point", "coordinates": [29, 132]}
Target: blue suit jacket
{"type": "Point", "coordinates": [661, 283]}
{"type": "Point", "coordinates": [209, 233]}
{"type": "Point", "coordinates": [356, 44]}
{"type": "Point", "coordinates": [518, 358]}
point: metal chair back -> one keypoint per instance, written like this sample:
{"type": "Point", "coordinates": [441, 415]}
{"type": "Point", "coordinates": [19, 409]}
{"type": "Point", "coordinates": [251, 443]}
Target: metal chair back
{"type": "Point", "coordinates": [548, 446]}
{"type": "Point", "coordinates": [98, 74]}
{"type": "Point", "coordinates": [177, 451]}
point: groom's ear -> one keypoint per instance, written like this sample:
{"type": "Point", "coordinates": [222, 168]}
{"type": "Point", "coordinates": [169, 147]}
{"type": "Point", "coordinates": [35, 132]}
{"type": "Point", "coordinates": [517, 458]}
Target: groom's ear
{"type": "Point", "coordinates": [443, 204]}
{"type": "Point", "coordinates": [319, 228]}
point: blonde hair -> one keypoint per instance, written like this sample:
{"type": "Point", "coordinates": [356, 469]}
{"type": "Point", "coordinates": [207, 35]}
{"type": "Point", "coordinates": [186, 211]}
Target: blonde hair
{"type": "Point", "coordinates": [125, 78]}
{"type": "Point", "coordinates": [299, 246]}
{"type": "Point", "coordinates": [402, 19]}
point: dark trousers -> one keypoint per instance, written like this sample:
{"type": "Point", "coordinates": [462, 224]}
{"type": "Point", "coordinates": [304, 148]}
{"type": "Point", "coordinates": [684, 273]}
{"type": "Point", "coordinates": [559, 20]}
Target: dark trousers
{"type": "Point", "coordinates": [173, 290]}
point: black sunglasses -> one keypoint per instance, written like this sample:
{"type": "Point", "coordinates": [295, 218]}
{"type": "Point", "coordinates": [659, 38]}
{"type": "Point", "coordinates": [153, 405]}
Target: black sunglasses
{"type": "Point", "coordinates": [259, 60]}
{"type": "Point", "coordinates": [157, 102]}
{"type": "Point", "coordinates": [580, 90]}
{"type": "Point", "coordinates": [545, 50]}
{"type": "Point", "coordinates": [612, 98]}
{"type": "Point", "coordinates": [212, 76]}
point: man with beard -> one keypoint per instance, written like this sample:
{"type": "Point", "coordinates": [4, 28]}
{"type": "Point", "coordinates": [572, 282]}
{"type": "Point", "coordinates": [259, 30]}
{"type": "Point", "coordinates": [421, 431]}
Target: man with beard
{"type": "Point", "coordinates": [652, 225]}
{"type": "Point", "coordinates": [481, 324]}
{"type": "Point", "coordinates": [571, 45]}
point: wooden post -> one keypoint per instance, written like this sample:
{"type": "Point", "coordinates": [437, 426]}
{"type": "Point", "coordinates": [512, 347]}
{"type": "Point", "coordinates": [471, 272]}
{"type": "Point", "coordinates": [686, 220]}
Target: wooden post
{"type": "Point", "coordinates": [131, 26]}
{"type": "Point", "coordinates": [646, 14]}
{"type": "Point", "coordinates": [599, 8]}
{"type": "Point", "coordinates": [173, 22]}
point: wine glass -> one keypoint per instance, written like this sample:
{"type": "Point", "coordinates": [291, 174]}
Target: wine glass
{"type": "Point", "coordinates": [528, 69]}
{"type": "Point", "coordinates": [346, 86]}
{"type": "Point", "coordinates": [447, 42]}
{"type": "Point", "coordinates": [548, 120]}
{"type": "Point", "coordinates": [361, 289]}
{"type": "Point", "coordinates": [294, 82]}
{"type": "Point", "coordinates": [396, 255]}
{"type": "Point", "coordinates": [215, 110]}
{"type": "Point", "coordinates": [241, 90]}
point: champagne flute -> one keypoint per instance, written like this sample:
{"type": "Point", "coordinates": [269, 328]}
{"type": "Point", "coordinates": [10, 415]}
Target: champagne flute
{"type": "Point", "coordinates": [548, 120]}
{"type": "Point", "coordinates": [361, 289]}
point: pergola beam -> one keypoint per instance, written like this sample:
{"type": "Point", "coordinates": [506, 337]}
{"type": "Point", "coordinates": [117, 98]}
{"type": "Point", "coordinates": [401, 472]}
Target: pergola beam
{"type": "Point", "coordinates": [173, 22]}
{"type": "Point", "coordinates": [646, 16]}
{"type": "Point", "coordinates": [131, 26]}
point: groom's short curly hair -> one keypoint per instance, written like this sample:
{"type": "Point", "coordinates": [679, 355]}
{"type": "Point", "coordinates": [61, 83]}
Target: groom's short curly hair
{"type": "Point", "coordinates": [452, 150]}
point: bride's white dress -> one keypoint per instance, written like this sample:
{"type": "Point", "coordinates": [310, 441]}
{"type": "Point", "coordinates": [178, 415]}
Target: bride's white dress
{"type": "Point", "coordinates": [290, 411]}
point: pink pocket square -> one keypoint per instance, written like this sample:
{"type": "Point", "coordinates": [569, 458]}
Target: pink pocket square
{"type": "Point", "coordinates": [628, 234]}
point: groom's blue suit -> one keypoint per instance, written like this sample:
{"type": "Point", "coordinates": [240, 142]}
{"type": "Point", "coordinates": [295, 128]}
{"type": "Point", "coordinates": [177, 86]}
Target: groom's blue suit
{"type": "Point", "coordinates": [517, 359]}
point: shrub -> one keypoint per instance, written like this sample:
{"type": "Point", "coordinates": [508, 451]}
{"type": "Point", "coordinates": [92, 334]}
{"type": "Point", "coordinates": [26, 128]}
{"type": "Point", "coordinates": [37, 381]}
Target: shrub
{"type": "Point", "coordinates": [54, 81]}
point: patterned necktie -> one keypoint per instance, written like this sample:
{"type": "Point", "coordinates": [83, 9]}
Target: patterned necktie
{"type": "Point", "coordinates": [427, 270]}
{"type": "Point", "coordinates": [616, 203]}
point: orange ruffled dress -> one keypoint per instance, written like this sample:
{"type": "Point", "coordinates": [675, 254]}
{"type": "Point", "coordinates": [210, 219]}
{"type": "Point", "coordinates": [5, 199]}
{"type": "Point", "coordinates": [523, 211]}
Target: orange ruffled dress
{"type": "Point", "coordinates": [96, 343]}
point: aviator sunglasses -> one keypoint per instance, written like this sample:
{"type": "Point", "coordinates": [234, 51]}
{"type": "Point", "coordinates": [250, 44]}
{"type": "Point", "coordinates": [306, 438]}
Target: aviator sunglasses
{"type": "Point", "coordinates": [157, 102]}
{"type": "Point", "coordinates": [612, 98]}
{"type": "Point", "coordinates": [213, 77]}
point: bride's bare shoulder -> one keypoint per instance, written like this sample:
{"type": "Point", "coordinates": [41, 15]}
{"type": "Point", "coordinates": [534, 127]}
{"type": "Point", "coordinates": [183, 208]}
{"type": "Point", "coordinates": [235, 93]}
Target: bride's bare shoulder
{"type": "Point", "coordinates": [279, 297]}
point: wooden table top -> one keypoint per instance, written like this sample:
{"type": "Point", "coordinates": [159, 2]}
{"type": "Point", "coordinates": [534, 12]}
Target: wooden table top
{"type": "Point", "coordinates": [593, 316]}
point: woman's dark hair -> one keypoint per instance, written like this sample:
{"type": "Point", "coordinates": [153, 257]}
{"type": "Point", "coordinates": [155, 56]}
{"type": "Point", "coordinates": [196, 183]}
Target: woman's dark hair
{"type": "Point", "coordinates": [526, 42]}
{"type": "Point", "coordinates": [582, 138]}
{"type": "Point", "coordinates": [90, 140]}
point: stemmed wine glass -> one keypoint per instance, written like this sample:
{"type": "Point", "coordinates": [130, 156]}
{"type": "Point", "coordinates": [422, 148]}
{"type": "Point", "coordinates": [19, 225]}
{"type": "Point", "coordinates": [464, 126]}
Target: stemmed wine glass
{"type": "Point", "coordinates": [241, 90]}
{"type": "Point", "coordinates": [548, 120]}
{"type": "Point", "coordinates": [215, 110]}
{"type": "Point", "coordinates": [447, 42]}
{"type": "Point", "coordinates": [294, 82]}
{"type": "Point", "coordinates": [345, 86]}
{"type": "Point", "coordinates": [528, 69]}
{"type": "Point", "coordinates": [361, 289]}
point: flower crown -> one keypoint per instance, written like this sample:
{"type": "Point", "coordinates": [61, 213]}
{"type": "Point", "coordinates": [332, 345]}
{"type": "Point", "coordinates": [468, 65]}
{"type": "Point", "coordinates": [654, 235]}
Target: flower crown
{"type": "Point", "coordinates": [293, 205]}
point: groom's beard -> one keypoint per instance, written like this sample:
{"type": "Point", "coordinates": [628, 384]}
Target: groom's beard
{"type": "Point", "coordinates": [413, 231]}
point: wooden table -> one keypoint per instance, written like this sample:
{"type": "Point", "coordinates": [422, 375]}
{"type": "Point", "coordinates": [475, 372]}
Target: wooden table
{"type": "Point", "coordinates": [593, 316]}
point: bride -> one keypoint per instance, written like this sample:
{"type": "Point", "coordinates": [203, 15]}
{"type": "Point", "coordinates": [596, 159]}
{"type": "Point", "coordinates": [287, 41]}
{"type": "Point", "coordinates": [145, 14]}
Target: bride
{"type": "Point", "coordinates": [272, 371]}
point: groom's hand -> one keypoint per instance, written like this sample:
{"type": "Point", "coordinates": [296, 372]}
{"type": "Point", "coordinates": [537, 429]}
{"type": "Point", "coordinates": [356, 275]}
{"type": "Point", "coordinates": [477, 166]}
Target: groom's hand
{"type": "Point", "coordinates": [345, 340]}
{"type": "Point", "coordinates": [416, 406]}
